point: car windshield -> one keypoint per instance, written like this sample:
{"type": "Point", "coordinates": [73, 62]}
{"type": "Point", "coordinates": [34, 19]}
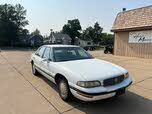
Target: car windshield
{"type": "Point", "coordinates": [70, 53]}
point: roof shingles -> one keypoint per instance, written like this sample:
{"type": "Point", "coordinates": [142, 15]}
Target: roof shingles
{"type": "Point", "coordinates": [136, 19]}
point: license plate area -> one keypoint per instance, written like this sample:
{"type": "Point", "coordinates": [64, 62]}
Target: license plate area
{"type": "Point", "coordinates": [120, 92]}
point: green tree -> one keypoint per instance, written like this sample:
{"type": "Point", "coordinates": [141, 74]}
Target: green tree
{"type": "Point", "coordinates": [12, 21]}
{"type": "Point", "coordinates": [72, 28]}
{"type": "Point", "coordinates": [107, 39]}
{"type": "Point", "coordinates": [93, 33]}
{"type": "Point", "coordinates": [87, 34]}
{"type": "Point", "coordinates": [25, 32]}
{"type": "Point", "coordinates": [36, 32]}
{"type": "Point", "coordinates": [20, 18]}
{"type": "Point", "coordinates": [97, 33]}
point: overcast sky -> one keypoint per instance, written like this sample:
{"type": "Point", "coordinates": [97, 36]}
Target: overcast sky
{"type": "Point", "coordinates": [53, 14]}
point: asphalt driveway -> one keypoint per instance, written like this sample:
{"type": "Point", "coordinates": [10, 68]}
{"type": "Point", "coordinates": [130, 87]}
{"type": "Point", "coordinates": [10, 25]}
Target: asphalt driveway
{"type": "Point", "coordinates": [23, 93]}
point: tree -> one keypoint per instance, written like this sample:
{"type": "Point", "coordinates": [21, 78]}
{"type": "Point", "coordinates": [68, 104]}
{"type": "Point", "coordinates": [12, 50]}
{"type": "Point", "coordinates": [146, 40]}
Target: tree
{"type": "Point", "coordinates": [72, 28]}
{"type": "Point", "coordinates": [87, 34]}
{"type": "Point", "coordinates": [36, 32]}
{"type": "Point", "coordinates": [97, 33]}
{"type": "Point", "coordinates": [107, 39]}
{"type": "Point", "coordinates": [93, 33]}
{"type": "Point", "coordinates": [12, 21]}
{"type": "Point", "coordinates": [25, 32]}
{"type": "Point", "coordinates": [20, 18]}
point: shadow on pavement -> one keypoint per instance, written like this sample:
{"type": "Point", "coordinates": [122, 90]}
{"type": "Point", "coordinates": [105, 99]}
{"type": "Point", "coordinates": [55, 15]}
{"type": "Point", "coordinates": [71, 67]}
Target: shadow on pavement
{"type": "Point", "coordinates": [130, 103]}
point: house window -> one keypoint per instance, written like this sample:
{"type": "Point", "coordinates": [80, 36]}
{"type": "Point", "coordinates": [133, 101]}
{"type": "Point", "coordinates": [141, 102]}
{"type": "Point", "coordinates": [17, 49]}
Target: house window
{"type": "Point", "coordinates": [89, 43]}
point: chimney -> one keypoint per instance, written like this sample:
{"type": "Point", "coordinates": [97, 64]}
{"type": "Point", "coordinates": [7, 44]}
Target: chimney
{"type": "Point", "coordinates": [123, 9]}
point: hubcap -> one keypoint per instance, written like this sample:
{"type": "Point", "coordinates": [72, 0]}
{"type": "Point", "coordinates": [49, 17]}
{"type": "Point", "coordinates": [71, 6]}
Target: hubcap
{"type": "Point", "coordinates": [63, 90]}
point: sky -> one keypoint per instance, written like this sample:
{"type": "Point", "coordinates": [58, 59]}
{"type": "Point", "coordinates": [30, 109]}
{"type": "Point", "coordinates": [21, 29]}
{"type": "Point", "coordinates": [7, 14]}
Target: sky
{"type": "Point", "coordinates": [53, 14]}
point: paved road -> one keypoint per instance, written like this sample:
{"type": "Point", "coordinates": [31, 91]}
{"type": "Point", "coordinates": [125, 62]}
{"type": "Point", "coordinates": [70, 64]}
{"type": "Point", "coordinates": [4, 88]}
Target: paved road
{"type": "Point", "coordinates": [23, 93]}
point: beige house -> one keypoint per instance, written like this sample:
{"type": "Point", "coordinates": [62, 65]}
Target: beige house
{"type": "Point", "coordinates": [133, 33]}
{"type": "Point", "coordinates": [84, 43]}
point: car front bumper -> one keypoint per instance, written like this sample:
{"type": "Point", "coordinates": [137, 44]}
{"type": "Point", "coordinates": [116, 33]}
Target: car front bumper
{"type": "Point", "coordinates": [93, 96]}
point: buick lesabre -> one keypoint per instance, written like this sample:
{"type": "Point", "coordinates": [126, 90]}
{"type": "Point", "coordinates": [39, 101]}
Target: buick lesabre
{"type": "Point", "coordinates": [78, 74]}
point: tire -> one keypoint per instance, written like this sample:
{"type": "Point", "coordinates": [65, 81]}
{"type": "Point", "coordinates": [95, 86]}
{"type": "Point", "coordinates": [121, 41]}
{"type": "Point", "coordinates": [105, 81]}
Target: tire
{"type": "Point", "coordinates": [34, 71]}
{"type": "Point", "coordinates": [105, 52]}
{"type": "Point", "coordinates": [64, 90]}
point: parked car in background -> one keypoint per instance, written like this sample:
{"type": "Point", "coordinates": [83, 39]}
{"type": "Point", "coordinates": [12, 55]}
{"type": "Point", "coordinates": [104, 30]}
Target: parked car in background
{"type": "Point", "coordinates": [78, 74]}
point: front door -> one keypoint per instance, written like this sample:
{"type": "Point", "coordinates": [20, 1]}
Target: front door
{"type": "Point", "coordinates": [38, 57]}
{"type": "Point", "coordinates": [47, 64]}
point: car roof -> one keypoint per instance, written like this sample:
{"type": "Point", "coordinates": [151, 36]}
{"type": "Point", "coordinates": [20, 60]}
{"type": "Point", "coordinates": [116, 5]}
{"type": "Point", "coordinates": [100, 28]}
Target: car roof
{"type": "Point", "coordinates": [55, 45]}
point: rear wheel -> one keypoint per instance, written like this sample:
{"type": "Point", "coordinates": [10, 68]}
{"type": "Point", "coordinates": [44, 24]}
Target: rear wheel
{"type": "Point", "coordinates": [34, 71]}
{"type": "Point", "coordinates": [64, 90]}
{"type": "Point", "coordinates": [105, 51]}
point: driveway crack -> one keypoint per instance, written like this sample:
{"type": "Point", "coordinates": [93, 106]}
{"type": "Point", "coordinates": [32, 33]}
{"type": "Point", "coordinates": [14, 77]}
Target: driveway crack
{"type": "Point", "coordinates": [142, 80]}
{"type": "Point", "coordinates": [30, 83]}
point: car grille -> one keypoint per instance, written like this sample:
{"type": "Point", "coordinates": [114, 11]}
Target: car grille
{"type": "Point", "coordinates": [113, 81]}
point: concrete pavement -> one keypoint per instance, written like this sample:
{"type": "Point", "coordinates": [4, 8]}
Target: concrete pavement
{"type": "Point", "coordinates": [23, 93]}
{"type": "Point", "coordinates": [17, 95]}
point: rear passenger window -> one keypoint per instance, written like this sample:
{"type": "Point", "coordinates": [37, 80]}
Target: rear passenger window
{"type": "Point", "coordinates": [47, 53]}
{"type": "Point", "coordinates": [40, 52]}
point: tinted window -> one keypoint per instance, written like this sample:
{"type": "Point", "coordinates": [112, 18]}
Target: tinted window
{"type": "Point", "coordinates": [47, 53]}
{"type": "Point", "coordinates": [82, 53]}
{"type": "Point", "coordinates": [70, 53]}
{"type": "Point", "coordinates": [40, 51]}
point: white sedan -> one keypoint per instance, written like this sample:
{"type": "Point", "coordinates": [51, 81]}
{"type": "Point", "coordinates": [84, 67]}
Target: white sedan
{"type": "Point", "coordinates": [78, 74]}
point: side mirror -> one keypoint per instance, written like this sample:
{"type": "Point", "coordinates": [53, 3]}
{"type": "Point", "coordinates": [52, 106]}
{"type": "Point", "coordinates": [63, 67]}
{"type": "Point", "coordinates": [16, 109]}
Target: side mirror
{"type": "Point", "coordinates": [49, 59]}
{"type": "Point", "coordinates": [44, 59]}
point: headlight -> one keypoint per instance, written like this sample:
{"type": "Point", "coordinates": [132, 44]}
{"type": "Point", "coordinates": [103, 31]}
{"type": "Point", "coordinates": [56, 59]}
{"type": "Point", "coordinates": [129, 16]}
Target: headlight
{"type": "Point", "coordinates": [88, 84]}
{"type": "Point", "coordinates": [126, 75]}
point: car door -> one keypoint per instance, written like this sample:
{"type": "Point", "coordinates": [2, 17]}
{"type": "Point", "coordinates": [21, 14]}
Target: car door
{"type": "Point", "coordinates": [38, 57]}
{"type": "Point", "coordinates": [47, 63]}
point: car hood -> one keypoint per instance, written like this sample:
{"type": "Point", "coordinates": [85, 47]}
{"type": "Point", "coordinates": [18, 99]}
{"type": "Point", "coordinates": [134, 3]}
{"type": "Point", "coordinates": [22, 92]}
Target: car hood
{"type": "Point", "coordinates": [93, 69]}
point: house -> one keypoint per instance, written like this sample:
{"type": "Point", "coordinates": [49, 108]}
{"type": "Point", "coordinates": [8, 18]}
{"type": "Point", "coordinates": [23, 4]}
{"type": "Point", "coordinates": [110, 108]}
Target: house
{"type": "Point", "coordinates": [58, 38]}
{"type": "Point", "coordinates": [133, 33]}
{"type": "Point", "coordinates": [23, 40]}
{"type": "Point", "coordinates": [36, 40]}
{"type": "Point", "coordinates": [47, 40]}
{"type": "Point", "coordinates": [29, 40]}
{"type": "Point", "coordinates": [84, 43]}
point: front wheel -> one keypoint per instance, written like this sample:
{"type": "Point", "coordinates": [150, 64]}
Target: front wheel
{"type": "Point", "coordinates": [64, 90]}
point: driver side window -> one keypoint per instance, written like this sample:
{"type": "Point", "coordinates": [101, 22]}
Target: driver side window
{"type": "Point", "coordinates": [82, 53]}
{"type": "Point", "coordinates": [47, 53]}
{"type": "Point", "coordinates": [40, 52]}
